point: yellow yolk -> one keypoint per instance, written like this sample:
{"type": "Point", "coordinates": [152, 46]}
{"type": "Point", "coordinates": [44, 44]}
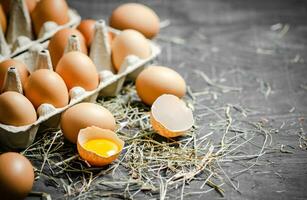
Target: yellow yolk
{"type": "Point", "coordinates": [102, 147]}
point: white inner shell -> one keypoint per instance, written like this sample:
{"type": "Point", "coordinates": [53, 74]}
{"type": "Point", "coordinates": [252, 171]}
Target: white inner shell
{"type": "Point", "coordinates": [172, 113]}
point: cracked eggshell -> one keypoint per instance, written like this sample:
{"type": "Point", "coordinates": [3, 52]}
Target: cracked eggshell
{"type": "Point", "coordinates": [136, 16]}
{"type": "Point", "coordinates": [59, 41]}
{"type": "Point", "coordinates": [170, 117]}
{"type": "Point", "coordinates": [129, 42]}
{"type": "Point", "coordinates": [92, 157]}
{"type": "Point", "coordinates": [46, 86]}
{"type": "Point", "coordinates": [16, 176]}
{"type": "Point", "coordinates": [20, 66]}
{"type": "Point", "coordinates": [77, 69]}
{"type": "Point", "coordinates": [84, 115]}
{"type": "Point", "coordinates": [49, 10]}
{"type": "Point", "coordinates": [16, 109]}
{"type": "Point", "coordinates": [155, 81]}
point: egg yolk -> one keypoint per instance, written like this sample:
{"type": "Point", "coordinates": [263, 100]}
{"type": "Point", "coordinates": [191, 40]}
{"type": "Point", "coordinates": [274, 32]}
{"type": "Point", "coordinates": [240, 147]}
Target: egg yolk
{"type": "Point", "coordinates": [102, 147]}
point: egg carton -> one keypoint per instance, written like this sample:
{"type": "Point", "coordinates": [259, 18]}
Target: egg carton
{"type": "Point", "coordinates": [19, 36]}
{"type": "Point", "coordinates": [110, 82]}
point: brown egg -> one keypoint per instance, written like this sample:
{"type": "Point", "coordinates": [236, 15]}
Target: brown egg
{"type": "Point", "coordinates": [31, 4]}
{"type": "Point", "coordinates": [59, 41]}
{"type": "Point", "coordinates": [20, 66]}
{"type": "Point", "coordinates": [3, 20]}
{"type": "Point", "coordinates": [84, 115]}
{"type": "Point", "coordinates": [136, 16]}
{"type": "Point", "coordinates": [77, 69]}
{"type": "Point", "coordinates": [154, 81]}
{"type": "Point", "coordinates": [16, 109]}
{"type": "Point", "coordinates": [16, 176]}
{"type": "Point", "coordinates": [6, 6]}
{"type": "Point", "coordinates": [129, 42]}
{"type": "Point", "coordinates": [87, 28]}
{"type": "Point", "coordinates": [46, 86]}
{"type": "Point", "coordinates": [49, 10]}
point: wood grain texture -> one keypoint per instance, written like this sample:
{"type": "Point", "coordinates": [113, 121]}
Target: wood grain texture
{"type": "Point", "coordinates": [233, 40]}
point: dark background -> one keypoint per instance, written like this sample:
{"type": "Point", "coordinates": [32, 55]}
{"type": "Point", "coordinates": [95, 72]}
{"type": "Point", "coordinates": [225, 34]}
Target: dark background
{"type": "Point", "coordinates": [234, 42]}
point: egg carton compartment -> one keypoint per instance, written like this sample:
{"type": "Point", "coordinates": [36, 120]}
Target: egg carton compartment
{"type": "Point", "coordinates": [110, 82]}
{"type": "Point", "coordinates": [19, 36]}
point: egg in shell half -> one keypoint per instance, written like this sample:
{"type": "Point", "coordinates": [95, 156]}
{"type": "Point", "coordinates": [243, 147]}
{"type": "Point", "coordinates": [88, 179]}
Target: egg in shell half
{"type": "Point", "coordinates": [98, 146]}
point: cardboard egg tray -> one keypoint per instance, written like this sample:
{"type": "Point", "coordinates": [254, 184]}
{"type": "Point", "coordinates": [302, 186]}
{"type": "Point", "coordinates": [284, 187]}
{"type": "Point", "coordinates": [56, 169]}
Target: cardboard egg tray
{"type": "Point", "coordinates": [110, 82]}
{"type": "Point", "coordinates": [19, 35]}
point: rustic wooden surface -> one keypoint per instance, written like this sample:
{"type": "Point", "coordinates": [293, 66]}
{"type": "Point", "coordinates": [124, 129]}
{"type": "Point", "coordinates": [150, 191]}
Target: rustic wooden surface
{"type": "Point", "coordinates": [235, 40]}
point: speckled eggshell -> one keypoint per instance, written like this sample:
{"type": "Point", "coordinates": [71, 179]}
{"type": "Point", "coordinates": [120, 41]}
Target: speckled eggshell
{"type": "Point", "coordinates": [16, 109]}
{"type": "Point", "coordinates": [20, 66]}
{"type": "Point", "coordinates": [154, 81]}
{"type": "Point", "coordinates": [59, 41]}
{"type": "Point", "coordinates": [136, 16]}
{"type": "Point", "coordinates": [16, 176]}
{"type": "Point", "coordinates": [129, 42]}
{"type": "Point", "coordinates": [84, 115]}
{"type": "Point", "coordinates": [46, 86]}
{"type": "Point", "coordinates": [77, 69]}
{"type": "Point", "coordinates": [49, 10]}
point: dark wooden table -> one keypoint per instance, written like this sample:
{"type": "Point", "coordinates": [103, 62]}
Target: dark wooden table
{"type": "Point", "coordinates": [259, 46]}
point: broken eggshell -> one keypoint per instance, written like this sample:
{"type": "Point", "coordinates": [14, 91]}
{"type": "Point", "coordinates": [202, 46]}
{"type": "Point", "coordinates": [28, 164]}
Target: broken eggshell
{"type": "Point", "coordinates": [91, 156]}
{"type": "Point", "coordinates": [109, 79]}
{"type": "Point", "coordinates": [170, 117]}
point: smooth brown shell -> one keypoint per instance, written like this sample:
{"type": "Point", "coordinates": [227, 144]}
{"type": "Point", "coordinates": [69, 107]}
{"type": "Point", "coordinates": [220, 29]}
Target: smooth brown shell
{"type": "Point", "coordinates": [87, 28]}
{"type": "Point", "coordinates": [20, 66]}
{"type": "Point", "coordinates": [136, 16]}
{"type": "Point", "coordinates": [129, 42]}
{"type": "Point", "coordinates": [16, 176]}
{"type": "Point", "coordinates": [154, 81]}
{"type": "Point", "coordinates": [46, 86]}
{"type": "Point", "coordinates": [6, 6]}
{"type": "Point", "coordinates": [84, 115]}
{"type": "Point", "coordinates": [3, 20]}
{"type": "Point", "coordinates": [49, 10]}
{"type": "Point", "coordinates": [77, 69]}
{"type": "Point", "coordinates": [59, 41]}
{"type": "Point", "coordinates": [16, 109]}
{"type": "Point", "coordinates": [31, 4]}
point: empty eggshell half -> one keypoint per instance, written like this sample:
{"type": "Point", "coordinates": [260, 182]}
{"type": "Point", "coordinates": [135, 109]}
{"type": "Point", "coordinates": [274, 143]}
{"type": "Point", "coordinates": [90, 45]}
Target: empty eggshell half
{"type": "Point", "coordinates": [94, 133]}
{"type": "Point", "coordinates": [170, 117]}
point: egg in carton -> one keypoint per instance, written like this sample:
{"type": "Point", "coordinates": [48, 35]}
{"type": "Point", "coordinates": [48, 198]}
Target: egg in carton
{"type": "Point", "coordinates": [20, 37]}
{"type": "Point", "coordinates": [110, 82]}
